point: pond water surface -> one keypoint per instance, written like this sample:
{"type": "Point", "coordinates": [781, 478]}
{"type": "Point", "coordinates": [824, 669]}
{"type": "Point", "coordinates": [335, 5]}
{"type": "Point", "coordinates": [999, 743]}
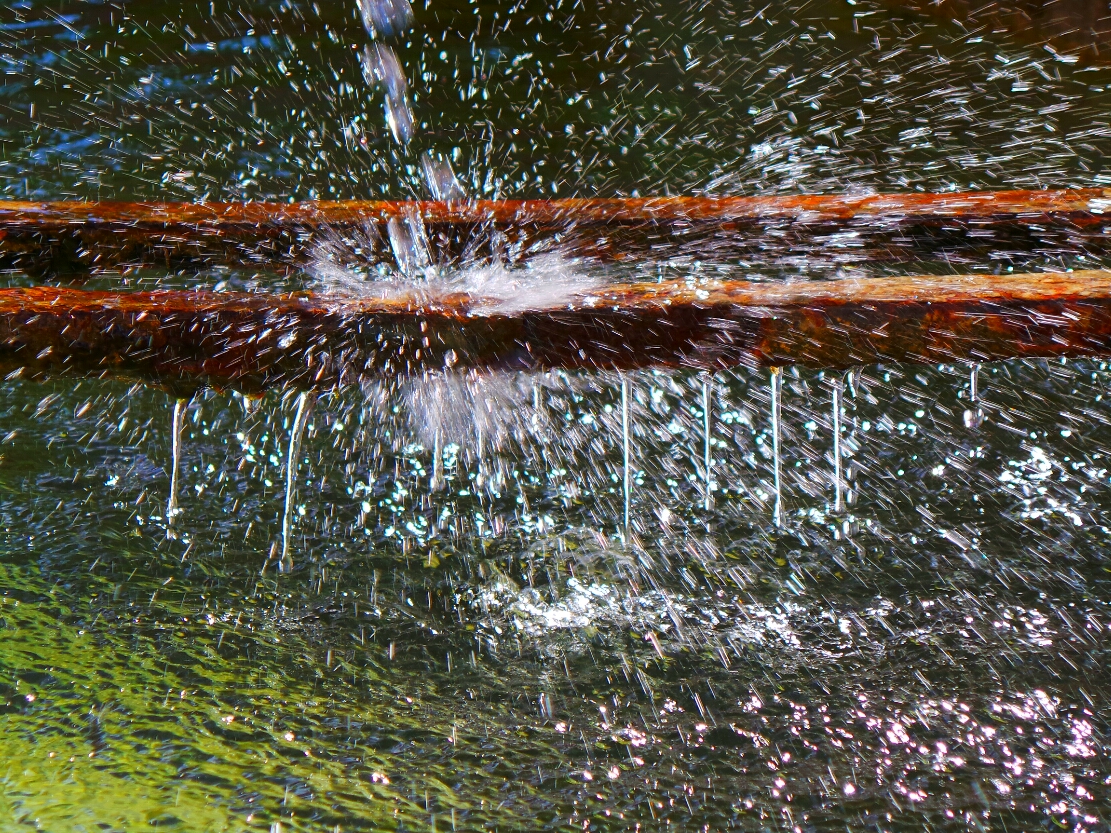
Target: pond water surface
{"type": "Point", "coordinates": [525, 601]}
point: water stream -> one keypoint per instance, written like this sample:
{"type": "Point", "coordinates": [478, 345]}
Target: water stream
{"type": "Point", "coordinates": [433, 603]}
{"type": "Point", "coordinates": [301, 417]}
{"type": "Point", "coordinates": [626, 482]}
{"type": "Point", "coordinates": [777, 510]}
{"type": "Point", "coordinates": [707, 429]}
{"type": "Point", "coordinates": [172, 507]}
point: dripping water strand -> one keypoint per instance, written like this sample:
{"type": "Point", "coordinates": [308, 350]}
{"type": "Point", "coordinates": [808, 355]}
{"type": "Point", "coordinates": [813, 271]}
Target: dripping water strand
{"type": "Point", "coordinates": [304, 410]}
{"type": "Point", "coordinates": [838, 477]}
{"type": "Point", "coordinates": [627, 486]}
{"type": "Point", "coordinates": [172, 507]}
{"type": "Point", "coordinates": [707, 416]}
{"type": "Point", "coordinates": [437, 482]}
{"type": "Point", "coordinates": [974, 414]}
{"type": "Point", "coordinates": [480, 454]}
{"type": "Point", "coordinates": [777, 512]}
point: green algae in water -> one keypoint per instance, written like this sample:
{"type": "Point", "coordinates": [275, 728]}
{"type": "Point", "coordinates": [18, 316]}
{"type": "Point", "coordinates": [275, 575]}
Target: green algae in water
{"type": "Point", "coordinates": [470, 642]}
{"type": "Point", "coordinates": [519, 679]}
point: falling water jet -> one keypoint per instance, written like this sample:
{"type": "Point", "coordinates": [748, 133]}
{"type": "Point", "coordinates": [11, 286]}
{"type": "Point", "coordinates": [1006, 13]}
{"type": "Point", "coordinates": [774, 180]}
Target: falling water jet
{"type": "Point", "coordinates": [480, 452]}
{"type": "Point", "coordinates": [777, 512]}
{"type": "Point", "coordinates": [305, 402]}
{"type": "Point", "coordinates": [707, 383]}
{"type": "Point", "coordinates": [386, 18]}
{"type": "Point", "coordinates": [838, 482]}
{"type": "Point", "coordinates": [627, 487]}
{"type": "Point", "coordinates": [440, 179]}
{"type": "Point", "coordinates": [409, 243]}
{"type": "Point", "coordinates": [172, 508]}
{"type": "Point", "coordinates": [437, 482]}
{"type": "Point", "coordinates": [974, 415]}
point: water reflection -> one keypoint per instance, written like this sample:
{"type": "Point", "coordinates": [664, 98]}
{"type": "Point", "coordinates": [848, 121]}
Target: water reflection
{"type": "Point", "coordinates": [933, 655]}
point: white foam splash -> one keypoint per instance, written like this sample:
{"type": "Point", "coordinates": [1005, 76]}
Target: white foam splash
{"type": "Point", "coordinates": [480, 409]}
{"type": "Point", "coordinates": [544, 282]}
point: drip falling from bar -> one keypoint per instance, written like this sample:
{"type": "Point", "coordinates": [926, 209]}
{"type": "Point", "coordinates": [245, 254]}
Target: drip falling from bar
{"type": "Point", "coordinates": [627, 488]}
{"type": "Point", "coordinates": [304, 410]}
{"type": "Point", "coordinates": [777, 512]}
{"type": "Point", "coordinates": [437, 481]}
{"type": "Point", "coordinates": [707, 416]}
{"type": "Point", "coordinates": [838, 482]}
{"type": "Point", "coordinates": [480, 453]}
{"type": "Point", "coordinates": [172, 507]}
{"type": "Point", "coordinates": [974, 414]}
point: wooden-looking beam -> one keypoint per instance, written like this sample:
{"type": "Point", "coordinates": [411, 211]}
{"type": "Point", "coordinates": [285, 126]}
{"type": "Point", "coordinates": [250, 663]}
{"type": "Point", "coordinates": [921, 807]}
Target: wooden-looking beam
{"type": "Point", "coordinates": [66, 236]}
{"type": "Point", "coordinates": [190, 339]}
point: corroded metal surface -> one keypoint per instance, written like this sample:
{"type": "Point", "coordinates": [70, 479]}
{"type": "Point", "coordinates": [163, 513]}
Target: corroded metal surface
{"type": "Point", "coordinates": [189, 339]}
{"type": "Point", "coordinates": [556, 213]}
{"type": "Point", "coordinates": [72, 235]}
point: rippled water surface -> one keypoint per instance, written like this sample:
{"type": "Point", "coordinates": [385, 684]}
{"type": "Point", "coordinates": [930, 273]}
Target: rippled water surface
{"type": "Point", "coordinates": [487, 624]}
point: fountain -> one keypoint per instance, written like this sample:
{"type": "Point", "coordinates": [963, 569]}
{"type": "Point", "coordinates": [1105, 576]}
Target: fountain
{"type": "Point", "coordinates": [697, 424]}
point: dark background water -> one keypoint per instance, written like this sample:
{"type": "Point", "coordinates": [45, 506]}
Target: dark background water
{"type": "Point", "coordinates": [500, 653]}
{"type": "Point", "coordinates": [251, 100]}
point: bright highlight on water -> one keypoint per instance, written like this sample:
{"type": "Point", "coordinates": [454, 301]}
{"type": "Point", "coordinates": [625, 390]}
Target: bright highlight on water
{"type": "Point", "coordinates": [455, 512]}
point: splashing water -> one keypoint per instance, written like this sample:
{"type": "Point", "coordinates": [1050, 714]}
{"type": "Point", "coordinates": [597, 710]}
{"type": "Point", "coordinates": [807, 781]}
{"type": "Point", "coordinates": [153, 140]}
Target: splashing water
{"type": "Point", "coordinates": [470, 408]}
{"type": "Point", "coordinates": [542, 282]}
{"type": "Point", "coordinates": [468, 581]}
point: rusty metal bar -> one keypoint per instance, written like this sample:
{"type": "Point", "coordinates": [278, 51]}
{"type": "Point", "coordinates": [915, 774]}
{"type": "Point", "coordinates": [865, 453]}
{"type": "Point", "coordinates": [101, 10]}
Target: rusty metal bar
{"type": "Point", "coordinates": [189, 339]}
{"type": "Point", "coordinates": [556, 213]}
{"type": "Point", "coordinates": [67, 236]}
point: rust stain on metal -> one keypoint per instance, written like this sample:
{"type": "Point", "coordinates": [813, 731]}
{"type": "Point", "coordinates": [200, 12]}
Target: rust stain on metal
{"type": "Point", "coordinates": [190, 339]}
{"type": "Point", "coordinates": [555, 212]}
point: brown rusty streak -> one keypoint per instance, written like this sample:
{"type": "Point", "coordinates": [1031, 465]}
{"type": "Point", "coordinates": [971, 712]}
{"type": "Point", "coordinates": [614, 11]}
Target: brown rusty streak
{"type": "Point", "coordinates": [69, 236]}
{"type": "Point", "coordinates": [557, 213]}
{"type": "Point", "coordinates": [251, 341]}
